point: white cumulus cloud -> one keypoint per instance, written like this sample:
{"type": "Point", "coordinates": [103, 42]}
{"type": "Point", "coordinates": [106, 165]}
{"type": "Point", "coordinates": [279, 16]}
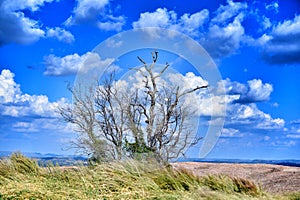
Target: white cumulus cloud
{"type": "Point", "coordinates": [232, 9]}
{"type": "Point", "coordinates": [70, 64]}
{"type": "Point", "coordinates": [250, 115]}
{"type": "Point", "coordinates": [282, 44]}
{"type": "Point", "coordinates": [230, 132]}
{"type": "Point", "coordinates": [16, 104]}
{"type": "Point", "coordinates": [15, 27]}
{"type": "Point", "coordinates": [86, 10]}
{"type": "Point", "coordinates": [162, 18]}
{"type": "Point", "coordinates": [8, 88]}
{"type": "Point", "coordinates": [112, 23]}
{"type": "Point", "coordinates": [254, 91]}
{"type": "Point", "coordinates": [60, 34]}
{"type": "Point", "coordinates": [224, 40]}
{"type": "Point", "coordinates": [32, 5]}
{"type": "Point", "coordinates": [221, 36]}
{"type": "Point", "coordinates": [96, 12]}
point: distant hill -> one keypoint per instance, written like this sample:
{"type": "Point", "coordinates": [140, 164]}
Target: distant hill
{"type": "Point", "coordinates": [288, 162]}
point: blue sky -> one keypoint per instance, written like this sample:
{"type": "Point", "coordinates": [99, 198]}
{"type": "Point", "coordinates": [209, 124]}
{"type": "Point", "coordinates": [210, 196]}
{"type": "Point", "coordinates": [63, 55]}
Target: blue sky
{"type": "Point", "coordinates": [255, 45]}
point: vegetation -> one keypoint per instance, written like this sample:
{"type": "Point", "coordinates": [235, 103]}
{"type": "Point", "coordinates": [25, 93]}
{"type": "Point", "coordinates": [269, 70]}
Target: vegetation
{"type": "Point", "coordinates": [148, 117]}
{"type": "Point", "coordinates": [21, 178]}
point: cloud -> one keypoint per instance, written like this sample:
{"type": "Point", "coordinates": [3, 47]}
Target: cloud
{"type": "Point", "coordinates": [253, 91]}
{"type": "Point", "coordinates": [221, 36]}
{"type": "Point", "coordinates": [237, 106]}
{"type": "Point", "coordinates": [111, 43]}
{"type": "Point", "coordinates": [24, 125]}
{"type": "Point", "coordinates": [30, 119]}
{"type": "Point", "coordinates": [32, 5]}
{"type": "Point", "coordinates": [266, 23]}
{"type": "Point", "coordinates": [225, 32]}
{"type": "Point", "coordinates": [242, 112]}
{"type": "Point", "coordinates": [227, 12]}
{"type": "Point", "coordinates": [15, 27]}
{"type": "Point", "coordinates": [8, 88]}
{"type": "Point", "coordinates": [95, 12]}
{"type": "Point", "coordinates": [162, 18]}
{"type": "Point", "coordinates": [112, 23]}
{"type": "Point", "coordinates": [193, 22]}
{"type": "Point", "coordinates": [294, 136]}
{"type": "Point", "coordinates": [257, 91]}
{"type": "Point", "coordinates": [16, 104]}
{"type": "Point", "coordinates": [249, 116]}
{"type": "Point", "coordinates": [273, 6]}
{"type": "Point", "coordinates": [221, 41]}
{"type": "Point", "coordinates": [187, 81]}
{"type": "Point", "coordinates": [294, 130]}
{"type": "Point", "coordinates": [285, 143]}
{"type": "Point", "coordinates": [295, 122]}
{"type": "Point", "coordinates": [70, 64]}
{"type": "Point", "coordinates": [35, 105]}
{"type": "Point", "coordinates": [61, 34]}
{"type": "Point", "coordinates": [230, 133]}
{"type": "Point", "coordinates": [201, 103]}
{"type": "Point", "coordinates": [282, 44]}
{"type": "Point", "coordinates": [87, 10]}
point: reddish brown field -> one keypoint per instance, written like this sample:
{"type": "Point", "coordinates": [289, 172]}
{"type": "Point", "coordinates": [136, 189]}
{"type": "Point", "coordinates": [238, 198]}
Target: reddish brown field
{"type": "Point", "coordinates": [272, 178]}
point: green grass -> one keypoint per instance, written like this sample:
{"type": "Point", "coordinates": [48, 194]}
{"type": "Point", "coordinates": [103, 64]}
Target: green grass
{"type": "Point", "coordinates": [21, 178]}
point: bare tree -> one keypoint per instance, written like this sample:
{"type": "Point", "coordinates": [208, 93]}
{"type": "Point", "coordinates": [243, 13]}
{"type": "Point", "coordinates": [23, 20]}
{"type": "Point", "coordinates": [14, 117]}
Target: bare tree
{"type": "Point", "coordinates": [82, 114]}
{"type": "Point", "coordinates": [165, 115]}
{"type": "Point", "coordinates": [98, 116]}
{"type": "Point", "coordinates": [149, 120]}
{"type": "Point", "coordinates": [111, 115]}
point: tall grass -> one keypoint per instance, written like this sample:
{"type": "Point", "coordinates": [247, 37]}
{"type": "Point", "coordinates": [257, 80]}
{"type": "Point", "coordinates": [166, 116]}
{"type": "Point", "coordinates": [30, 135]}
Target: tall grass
{"type": "Point", "coordinates": [17, 163]}
{"type": "Point", "coordinates": [21, 178]}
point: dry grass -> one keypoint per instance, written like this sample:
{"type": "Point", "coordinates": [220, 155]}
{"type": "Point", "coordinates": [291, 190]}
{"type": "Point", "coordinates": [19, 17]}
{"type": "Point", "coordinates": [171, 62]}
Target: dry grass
{"type": "Point", "coordinates": [21, 178]}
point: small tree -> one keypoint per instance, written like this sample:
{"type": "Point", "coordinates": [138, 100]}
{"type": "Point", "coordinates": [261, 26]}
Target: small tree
{"type": "Point", "coordinates": [148, 120]}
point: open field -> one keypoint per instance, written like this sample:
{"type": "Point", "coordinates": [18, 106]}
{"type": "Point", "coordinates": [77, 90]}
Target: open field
{"type": "Point", "coordinates": [272, 178]}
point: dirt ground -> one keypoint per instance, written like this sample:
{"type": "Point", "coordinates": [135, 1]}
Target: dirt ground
{"type": "Point", "coordinates": [272, 178]}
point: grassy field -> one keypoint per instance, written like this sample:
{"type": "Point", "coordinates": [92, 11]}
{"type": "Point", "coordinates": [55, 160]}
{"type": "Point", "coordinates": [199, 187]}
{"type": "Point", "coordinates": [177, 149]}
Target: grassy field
{"type": "Point", "coordinates": [22, 178]}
